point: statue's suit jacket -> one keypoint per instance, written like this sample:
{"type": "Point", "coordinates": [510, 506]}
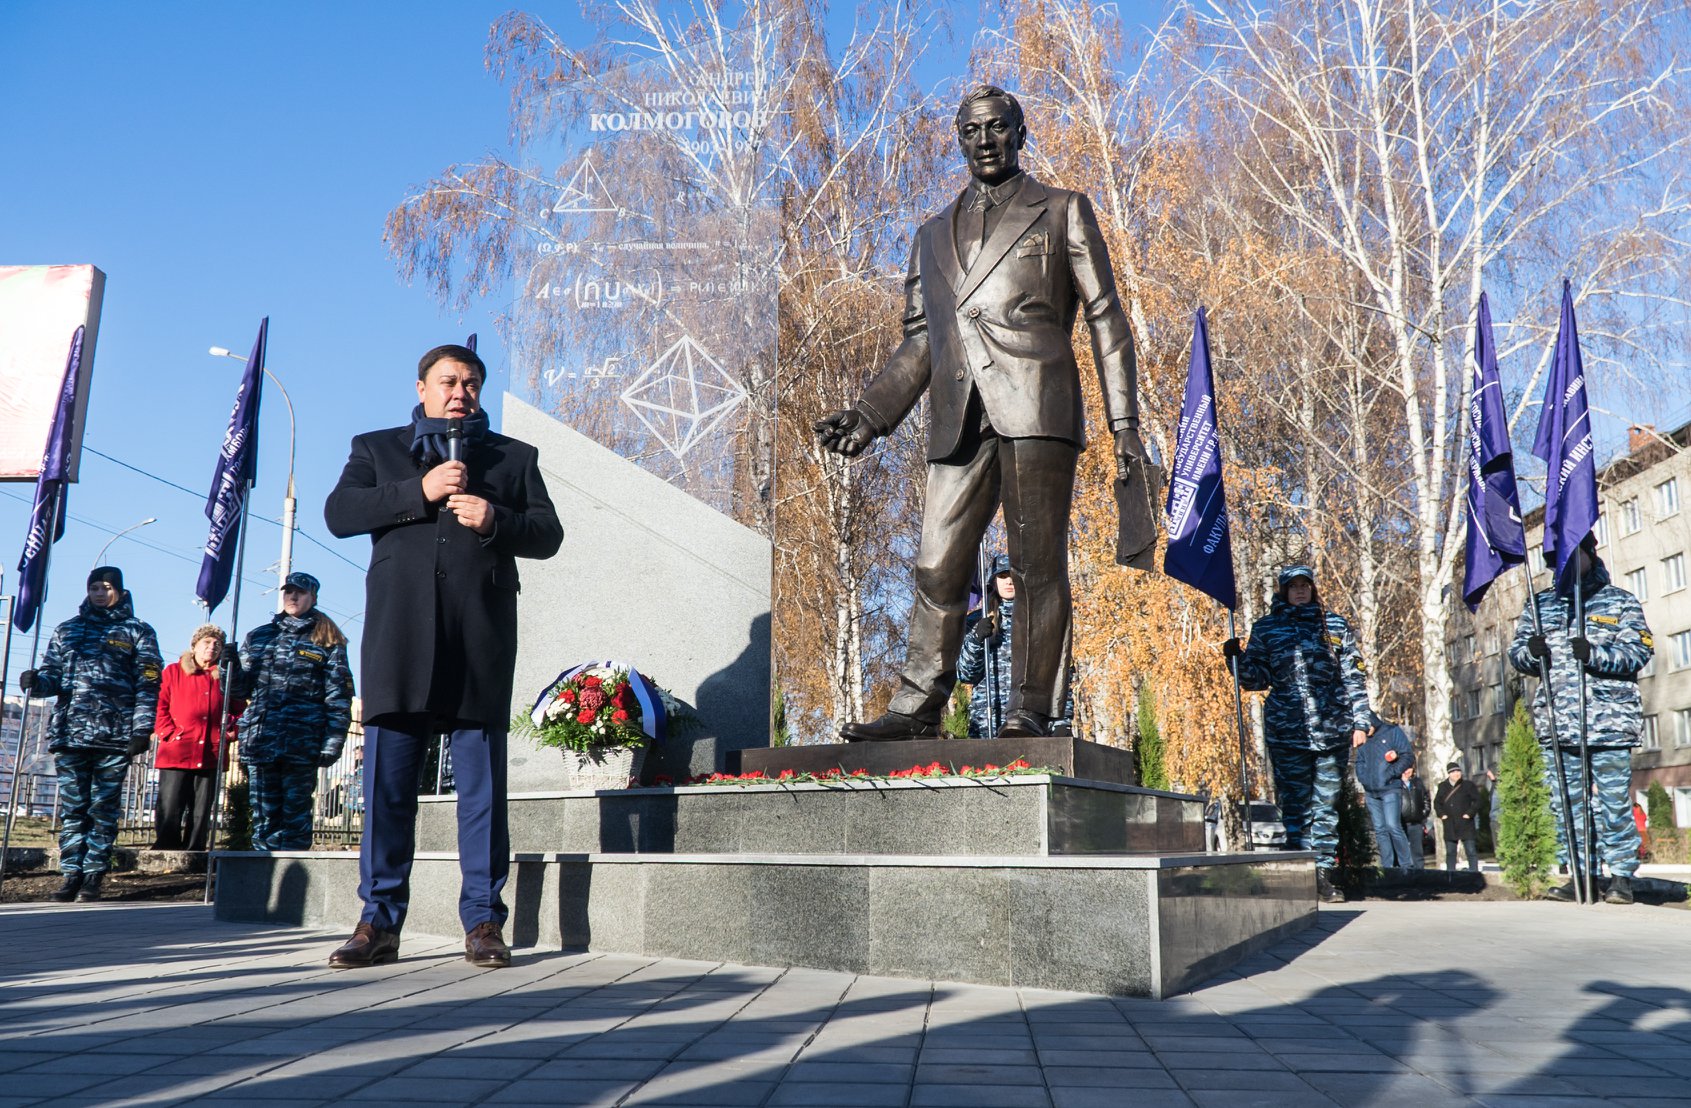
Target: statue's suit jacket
{"type": "Point", "coordinates": [1003, 327]}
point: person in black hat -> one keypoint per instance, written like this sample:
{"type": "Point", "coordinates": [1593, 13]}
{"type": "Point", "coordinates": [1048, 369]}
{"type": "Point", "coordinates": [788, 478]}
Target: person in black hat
{"type": "Point", "coordinates": [294, 676]}
{"type": "Point", "coordinates": [1458, 804]}
{"type": "Point", "coordinates": [103, 666]}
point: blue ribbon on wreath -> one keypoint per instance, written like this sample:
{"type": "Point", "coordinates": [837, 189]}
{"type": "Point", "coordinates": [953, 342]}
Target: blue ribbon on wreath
{"type": "Point", "coordinates": [652, 716]}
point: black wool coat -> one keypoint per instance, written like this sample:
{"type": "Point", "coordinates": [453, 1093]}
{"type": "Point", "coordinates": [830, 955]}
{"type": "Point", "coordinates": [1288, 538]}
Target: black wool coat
{"type": "Point", "coordinates": [440, 624]}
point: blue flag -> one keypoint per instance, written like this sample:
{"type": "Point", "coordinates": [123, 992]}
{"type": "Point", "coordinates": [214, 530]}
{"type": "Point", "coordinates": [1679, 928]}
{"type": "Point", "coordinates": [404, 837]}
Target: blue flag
{"type": "Point", "coordinates": [1200, 544]}
{"type": "Point", "coordinates": [471, 342]}
{"type": "Point", "coordinates": [1564, 443]}
{"type": "Point", "coordinates": [1496, 537]}
{"type": "Point", "coordinates": [52, 493]}
{"type": "Point", "coordinates": [237, 467]}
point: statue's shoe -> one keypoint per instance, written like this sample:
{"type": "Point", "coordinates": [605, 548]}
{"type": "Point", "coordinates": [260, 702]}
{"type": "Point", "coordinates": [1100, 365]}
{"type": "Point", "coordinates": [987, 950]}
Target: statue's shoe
{"type": "Point", "coordinates": [1021, 723]}
{"type": "Point", "coordinates": [891, 727]}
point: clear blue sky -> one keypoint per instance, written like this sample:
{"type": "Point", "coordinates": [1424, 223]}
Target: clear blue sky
{"type": "Point", "coordinates": [221, 162]}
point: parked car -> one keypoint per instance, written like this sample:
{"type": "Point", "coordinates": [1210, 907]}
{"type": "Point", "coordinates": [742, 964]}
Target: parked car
{"type": "Point", "coordinates": [1266, 826]}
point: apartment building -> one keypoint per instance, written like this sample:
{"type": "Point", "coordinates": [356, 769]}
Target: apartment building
{"type": "Point", "coordinates": [1644, 536]}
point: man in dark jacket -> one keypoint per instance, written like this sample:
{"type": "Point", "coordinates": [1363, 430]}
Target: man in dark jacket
{"type": "Point", "coordinates": [1458, 804]}
{"type": "Point", "coordinates": [440, 639]}
{"type": "Point", "coordinates": [1380, 762]}
{"type": "Point", "coordinates": [104, 668]}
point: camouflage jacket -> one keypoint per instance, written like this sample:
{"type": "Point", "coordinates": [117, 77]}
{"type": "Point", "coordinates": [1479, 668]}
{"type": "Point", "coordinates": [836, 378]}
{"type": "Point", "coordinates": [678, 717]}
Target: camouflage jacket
{"type": "Point", "coordinates": [1621, 645]}
{"type": "Point", "coordinates": [989, 685]}
{"type": "Point", "coordinates": [1307, 659]}
{"type": "Point", "coordinates": [299, 694]}
{"type": "Point", "coordinates": [103, 665]}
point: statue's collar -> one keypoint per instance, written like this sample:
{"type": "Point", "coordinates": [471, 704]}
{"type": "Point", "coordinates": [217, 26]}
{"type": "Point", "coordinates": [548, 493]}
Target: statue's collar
{"type": "Point", "coordinates": [983, 196]}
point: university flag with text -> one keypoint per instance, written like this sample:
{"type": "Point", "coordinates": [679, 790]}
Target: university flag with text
{"type": "Point", "coordinates": [1564, 443]}
{"type": "Point", "coordinates": [52, 494]}
{"type": "Point", "coordinates": [1200, 545]}
{"type": "Point", "coordinates": [237, 468]}
{"type": "Point", "coordinates": [1496, 536]}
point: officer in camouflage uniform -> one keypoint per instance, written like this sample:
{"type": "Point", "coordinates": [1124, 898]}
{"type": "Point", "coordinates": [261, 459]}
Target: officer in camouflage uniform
{"type": "Point", "coordinates": [1616, 646]}
{"type": "Point", "coordinates": [984, 661]}
{"type": "Point", "coordinates": [294, 674]}
{"type": "Point", "coordinates": [103, 666]}
{"type": "Point", "coordinates": [1316, 711]}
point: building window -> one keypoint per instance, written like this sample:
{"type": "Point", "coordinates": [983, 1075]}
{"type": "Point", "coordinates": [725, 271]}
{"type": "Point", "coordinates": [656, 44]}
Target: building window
{"type": "Point", "coordinates": [1682, 727]}
{"type": "Point", "coordinates": [1638, 583]}
{"type": "Point", "coordinates": [1667, 498]}
{"type": "Point", "coordinates": [1601, 530]}
{"type": "Point", "coordinates": [1492, 639]}
{"type": "Point", "coordinates": [1497, 699]}
{"type": "Point", "coordinates": [1673, 573]}
{"type": "Point", "coordinates": [1468, 648]}
{"type": "Point", "coordinates": [1474, 704]}
{"type": "Point", "coordinates": [1649, 669]}
{"type": "Point", "coordinates": [1681, 644]}
{"type": "Point", "coordinates": [1650, 736]}
{"type": "Point", "coordinates": [1631, 522]}
{"type": "Point", "coordinates": [1456, 709]}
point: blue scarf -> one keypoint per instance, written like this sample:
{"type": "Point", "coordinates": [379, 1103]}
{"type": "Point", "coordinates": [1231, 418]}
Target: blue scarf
{"type": "Point", "coordinates": [428, 436]}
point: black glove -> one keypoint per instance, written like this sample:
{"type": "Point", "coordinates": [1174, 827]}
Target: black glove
{"type": "Point", "coordinates": [1581, 648]}
{"type": "Point", "coordinates": [983, 629]}
{"type": "Point", "coordinates": [26, 681]}
{"type": "Point", "coordinates": [138, 745]}
{"type": "Point", "coordinates": [1231, 650]}
{"type": "Point", "coordinates": [231, 666]}
{"type": "Point", "coordinates": [1538, 648]}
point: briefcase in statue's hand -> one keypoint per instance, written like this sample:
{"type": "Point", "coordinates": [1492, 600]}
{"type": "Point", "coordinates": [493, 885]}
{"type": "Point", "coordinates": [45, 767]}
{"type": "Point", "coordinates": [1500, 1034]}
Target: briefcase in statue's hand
{"type": "Point", "coordinates": [1139, 494]}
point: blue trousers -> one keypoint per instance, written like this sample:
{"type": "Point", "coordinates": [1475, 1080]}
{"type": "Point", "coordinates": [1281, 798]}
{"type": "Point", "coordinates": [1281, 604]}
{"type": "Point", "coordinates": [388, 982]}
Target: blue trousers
{"type": "Point", "coordinates": [1386, 811]}
{"type": "Point", "coordinates": [1611, 779]}
{"type": "Point", "coordinates": [393, 756]}
{"type": "Point", "coordinates": [90, 801]}
{"type": "Point", "coordinates": [1306, 782]}
{"type": "Point", "coordinates": [281, 794]}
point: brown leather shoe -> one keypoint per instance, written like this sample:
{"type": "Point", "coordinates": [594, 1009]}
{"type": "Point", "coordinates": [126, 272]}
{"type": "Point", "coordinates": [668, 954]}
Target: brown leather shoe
{"type": "Point", "coordinates": [484, 946]}
{"type": "Point", "coordinates": [367, 947]}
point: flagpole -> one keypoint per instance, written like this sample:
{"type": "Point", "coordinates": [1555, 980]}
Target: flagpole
{"type": "Point", "coordinates": [984, 568]}
{"type": "Point", "coordinates": [5, 666]}
{"type": "Point", "coordinates": [1588, 822]}
{"type": "Point", "coordinates": [1244, 748]}
{"type": "Point", "coordinates": [221, 744]}
{"type": "Point", "coordinates": [1574, 867]}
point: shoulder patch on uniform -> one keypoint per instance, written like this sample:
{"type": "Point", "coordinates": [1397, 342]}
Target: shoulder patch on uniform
{"type": "Point", "coordinates": [1649, 639]}
{"type": "Point", "coordinates": [150, 672]}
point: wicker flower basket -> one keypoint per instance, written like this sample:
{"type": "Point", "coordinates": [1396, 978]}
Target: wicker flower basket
{"type": "Point", "coordinates": [604, 768]}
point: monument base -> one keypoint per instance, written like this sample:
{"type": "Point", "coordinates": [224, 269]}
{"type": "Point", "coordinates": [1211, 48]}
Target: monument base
{"type": "Point", "coordinates": [1148, 926]}
{"type": "Point", "coordinates": [1066, 757]}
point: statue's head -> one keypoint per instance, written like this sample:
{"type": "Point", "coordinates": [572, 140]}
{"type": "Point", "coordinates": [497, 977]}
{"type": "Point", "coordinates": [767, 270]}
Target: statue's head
{"type": "Point", "coordinates": [991, 132]}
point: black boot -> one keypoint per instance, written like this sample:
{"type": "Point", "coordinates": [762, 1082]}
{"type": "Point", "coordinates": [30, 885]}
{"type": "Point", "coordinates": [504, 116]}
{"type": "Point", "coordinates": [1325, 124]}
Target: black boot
{"type": "Point", "coordinates": [1620, 890]}
{"type": "Point", "coordinates": [1567, 894]}
{"type": "Point", "coordinates": [67, 891]}
{"type": "Point", "coordinates": [1326, 890]}
{"type": "Point", "coordinates": [90, 888]}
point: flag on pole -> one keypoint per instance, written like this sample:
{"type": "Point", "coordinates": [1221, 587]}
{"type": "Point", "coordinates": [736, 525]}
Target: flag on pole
{"type": "Point", "coordinates": [1200, 544]}
{"type": "Point", "coordinates": [52, 494]}
{"type": "Point", "coordinates": [1497, 538]}
{"type": "Point", "coordinates": [471, 342]}
{"type": "Point", "coordinates": [237, 466]}
{"type": "Point", "coordinates": [1564, 443]}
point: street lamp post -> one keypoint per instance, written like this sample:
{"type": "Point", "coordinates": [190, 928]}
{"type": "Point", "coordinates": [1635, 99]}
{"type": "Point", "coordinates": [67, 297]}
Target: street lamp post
{"type": "Point", "coordinates": [100, 558]}
{"type": "Point", "coordinates": [285, 566]}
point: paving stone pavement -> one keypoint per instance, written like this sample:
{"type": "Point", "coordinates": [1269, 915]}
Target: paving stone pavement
{"type": "Point", "coordinates": [1380, 1004]}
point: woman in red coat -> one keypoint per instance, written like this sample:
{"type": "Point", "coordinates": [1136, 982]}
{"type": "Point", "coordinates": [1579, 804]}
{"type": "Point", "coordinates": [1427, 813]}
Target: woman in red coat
{"type": "Point", "coordinates": [190, 705]}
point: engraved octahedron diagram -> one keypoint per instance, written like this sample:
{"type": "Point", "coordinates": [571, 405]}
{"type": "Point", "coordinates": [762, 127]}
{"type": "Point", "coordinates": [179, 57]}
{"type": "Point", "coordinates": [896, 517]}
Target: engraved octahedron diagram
{"type": "Point", "coordinates": [683, 396]}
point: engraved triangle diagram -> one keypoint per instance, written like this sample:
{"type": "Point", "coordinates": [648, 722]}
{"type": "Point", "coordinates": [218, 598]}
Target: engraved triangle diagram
{"type": "Point", "coordinates": [585, 194]}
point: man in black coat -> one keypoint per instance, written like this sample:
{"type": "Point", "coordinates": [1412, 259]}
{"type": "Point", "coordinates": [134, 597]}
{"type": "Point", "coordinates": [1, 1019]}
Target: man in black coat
{"type": "Point", "coordinates": [440, 638]}
{"type": "Point", "coordinates": [1458, 803]}
{"type": "Point", "coordinates": [995, 283]}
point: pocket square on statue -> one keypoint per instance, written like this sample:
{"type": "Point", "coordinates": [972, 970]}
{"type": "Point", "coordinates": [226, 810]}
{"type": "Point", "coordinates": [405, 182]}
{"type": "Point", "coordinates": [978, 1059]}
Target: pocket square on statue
{"type": "Point", "coordinates": [1035, 245]}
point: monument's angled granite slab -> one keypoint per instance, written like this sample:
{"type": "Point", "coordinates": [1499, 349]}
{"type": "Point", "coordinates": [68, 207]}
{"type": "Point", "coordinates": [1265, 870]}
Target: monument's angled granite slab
{"type": "Point", "coordinates": [1134, 926]}
{"type": "Point", "coordinates": [1031, 814]}
{"type": "Point", "coordinates": [1067, 757]}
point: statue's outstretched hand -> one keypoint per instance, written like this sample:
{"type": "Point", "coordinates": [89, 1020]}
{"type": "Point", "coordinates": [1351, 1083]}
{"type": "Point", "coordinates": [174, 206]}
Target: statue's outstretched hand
{"type": "Point", "coordinates": [844, 432]}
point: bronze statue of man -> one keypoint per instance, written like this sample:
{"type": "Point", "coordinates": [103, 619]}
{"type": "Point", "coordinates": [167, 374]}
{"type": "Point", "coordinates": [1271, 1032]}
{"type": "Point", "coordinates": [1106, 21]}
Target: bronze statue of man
{"type": "Point", "coordinates": [995, 282]}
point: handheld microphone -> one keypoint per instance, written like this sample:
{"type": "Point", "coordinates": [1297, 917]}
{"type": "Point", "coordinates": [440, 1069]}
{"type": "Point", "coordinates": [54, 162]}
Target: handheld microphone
{"type": "Point", "coordinates": [454, 440]}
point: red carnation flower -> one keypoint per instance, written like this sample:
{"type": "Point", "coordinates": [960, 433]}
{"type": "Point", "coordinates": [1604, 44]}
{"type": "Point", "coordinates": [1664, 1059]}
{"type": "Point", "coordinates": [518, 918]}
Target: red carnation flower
{"type": "Point", "coordinates": [585, 717]}
{"type": "Point", "coordinates": [567, 696]}
{"type": "Point", "coordinates": [591, 682]}
{"type": "Point", "coordinates": [620, 716]}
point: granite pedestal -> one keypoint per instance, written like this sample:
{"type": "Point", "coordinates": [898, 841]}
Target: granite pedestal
{"type": "Point", "coordinates": [1036, 880]}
